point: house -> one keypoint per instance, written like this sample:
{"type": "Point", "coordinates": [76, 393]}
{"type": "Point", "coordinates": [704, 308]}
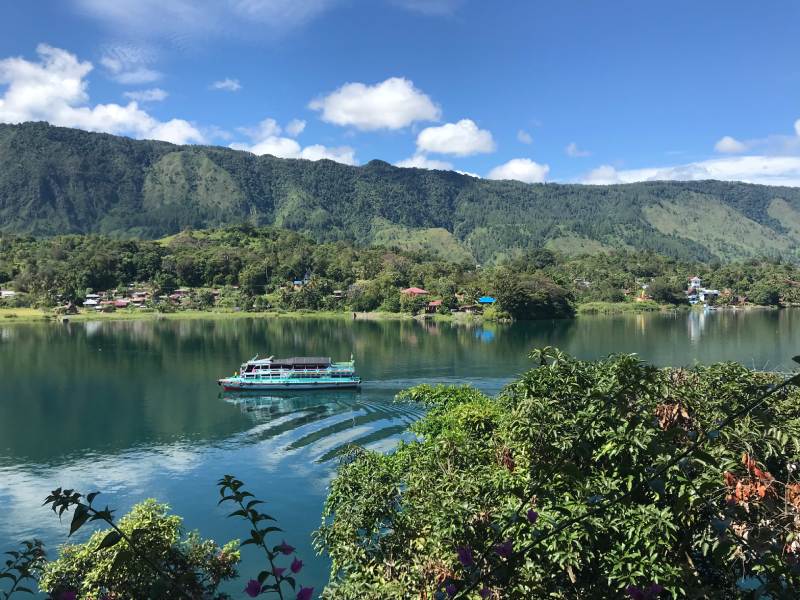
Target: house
{"type": "Point", "coordinates": [338, 294]}
{"type": "Point", "coordinates": [708, 296]}
{"type": "Point", "coordinates": [414, 292]}
{"type": "Point", "coordinates": [91, 302]}
{"type": "Point", "coordinates": [121, 303]}
{"type": "Point", "coordinates": [7, 293]}
{"type": "Point", "coordinates": [433, 306]}
{"type": "Point", "coordinates": [471, 309]}
{"type": "Point", "coordinates": [695, 283]}
{"type": "Point", "coordinates": [582, 282]}
{"type": "Point", "coordinates": [486, 300]}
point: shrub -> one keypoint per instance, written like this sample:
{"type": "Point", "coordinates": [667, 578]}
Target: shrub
{"type": "Point", "coordinates": [92, 569]}
{"type": "Point", "coordinates": [581, 480]}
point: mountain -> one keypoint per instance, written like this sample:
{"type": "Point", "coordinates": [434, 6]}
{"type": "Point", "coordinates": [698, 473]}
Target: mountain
{"type": "Point", "coordinates": [57, 180]}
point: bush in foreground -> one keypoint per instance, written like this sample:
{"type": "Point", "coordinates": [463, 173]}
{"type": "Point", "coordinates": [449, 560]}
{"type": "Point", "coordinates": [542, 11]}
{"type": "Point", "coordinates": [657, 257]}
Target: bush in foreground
{"type": "Point", "coordinates": [581, 480]}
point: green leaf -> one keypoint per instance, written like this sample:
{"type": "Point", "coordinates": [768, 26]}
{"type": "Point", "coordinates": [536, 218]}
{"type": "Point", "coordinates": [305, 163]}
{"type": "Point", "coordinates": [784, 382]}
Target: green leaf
{"type": "Point", "coordinates": [111, 538]}
{"type": "Point", "coordinates": [79, 517]}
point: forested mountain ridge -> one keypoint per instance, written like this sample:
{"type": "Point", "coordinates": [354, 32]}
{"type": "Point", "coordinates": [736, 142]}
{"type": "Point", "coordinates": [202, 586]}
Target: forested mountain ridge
{"type": "Point", "coordinates": [56, 180]}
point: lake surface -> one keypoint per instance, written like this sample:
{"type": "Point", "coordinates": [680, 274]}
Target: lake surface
{"type": "Point", "coordinates": [132, 408]}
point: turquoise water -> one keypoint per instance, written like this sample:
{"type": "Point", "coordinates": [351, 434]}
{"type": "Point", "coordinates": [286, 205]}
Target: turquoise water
{"type": "Point", "coordinates": [132, 408]}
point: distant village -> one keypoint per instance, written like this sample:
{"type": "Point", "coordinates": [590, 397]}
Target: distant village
{"type": "Point", "coordinates": [141, 298]}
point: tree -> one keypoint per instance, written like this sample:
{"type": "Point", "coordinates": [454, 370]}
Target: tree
{"type": "Point", "coordinates": [531, 296]}
{"type": "Point", "coordinates": [93, 570]}
{"type": "Point", "coordinates": [253, 279]}
{"type": "Point", "coordinates": [765, 295]}
{"type": "Point", "coordinates": [412, 304]}
{"type": "Point", "coordinates": [581, 480]}
{"type": "Point", "coordinates": [662, 290]}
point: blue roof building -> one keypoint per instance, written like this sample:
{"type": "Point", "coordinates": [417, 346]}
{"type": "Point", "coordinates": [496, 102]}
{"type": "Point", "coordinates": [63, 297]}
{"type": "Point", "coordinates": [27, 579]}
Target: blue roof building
{"type": "Point", "coordinates": [486, 300]}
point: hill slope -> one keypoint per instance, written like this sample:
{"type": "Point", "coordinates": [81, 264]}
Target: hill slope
{"type": "Point", "coordinates": [57, 180]}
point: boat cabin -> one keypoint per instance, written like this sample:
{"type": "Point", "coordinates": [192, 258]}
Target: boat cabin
{"type": "Point", "coordinates": [297, 363]}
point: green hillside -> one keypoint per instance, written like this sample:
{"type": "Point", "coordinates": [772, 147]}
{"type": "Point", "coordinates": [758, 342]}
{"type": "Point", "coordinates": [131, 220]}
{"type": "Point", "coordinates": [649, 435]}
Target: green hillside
{"type": "Point", "coordinates": [55, 180]}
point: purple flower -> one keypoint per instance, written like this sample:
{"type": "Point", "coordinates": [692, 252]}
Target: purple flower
{"type": "Point", "coordinates": [465, 556]}
{"type": "Point", "coordinates": [284, 548]}
{"type": "Point", "coordinates": [634, 592]}
{"type": "Point", "coordinates": [485, 592]}
{"type": "Point", "coordinates": [67, 596]}
{"type": "Point", "coordinates": [450, 588]}
{"type": "Point", "coordinates": [305, 593]}
{"type": "Point", "coordinates": [297, 564]}
{"type": "Point", "coordinates": [505, 549]}
{"type": "Point", "coordinates": [650, 593]}
{"type": "Point", "coordinates": [533, 516]}
{"type": "Point", "coordinates": [278, 572]}
{"type": "Point", "coordinates": [253, 588]}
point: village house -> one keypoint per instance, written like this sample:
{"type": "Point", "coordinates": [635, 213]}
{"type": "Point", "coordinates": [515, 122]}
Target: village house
{"type": "Point", "coordinates": [414, 292]}
{"type": "Point", "coordinates": [433, 306]}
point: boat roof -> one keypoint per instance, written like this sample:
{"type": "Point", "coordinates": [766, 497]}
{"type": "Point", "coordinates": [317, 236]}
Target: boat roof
{"type": "Point", "coordinates": [294, 361]}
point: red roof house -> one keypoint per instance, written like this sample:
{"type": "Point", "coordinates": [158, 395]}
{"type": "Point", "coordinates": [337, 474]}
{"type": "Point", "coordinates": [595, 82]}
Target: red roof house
{"type": "Point", "coordinates": [414, 291]}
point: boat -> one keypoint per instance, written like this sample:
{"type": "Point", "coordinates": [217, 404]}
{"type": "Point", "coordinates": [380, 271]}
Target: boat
{"type": "Point", "coordinates": [297, 373]}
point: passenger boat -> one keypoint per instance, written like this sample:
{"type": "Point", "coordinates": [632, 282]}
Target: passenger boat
{"type": "Point", "coordinates": [298, 373]}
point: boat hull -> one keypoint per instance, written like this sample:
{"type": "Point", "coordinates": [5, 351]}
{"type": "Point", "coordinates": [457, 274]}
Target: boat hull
{"type": "Point", "coordinates": [257, 386]}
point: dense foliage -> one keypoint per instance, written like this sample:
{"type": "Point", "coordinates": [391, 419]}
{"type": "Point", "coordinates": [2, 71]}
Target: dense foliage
{"type": "Point", "coordinates": [581, 480]}
{"type": "Point", "coordinates": [56, 180]}
{"type": "Point", "coordinates": [95, 568]}
{"type": "Point", "coordinates": [255, 267]}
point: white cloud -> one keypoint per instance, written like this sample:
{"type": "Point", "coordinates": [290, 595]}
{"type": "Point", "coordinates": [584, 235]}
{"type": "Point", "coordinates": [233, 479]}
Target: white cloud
{"type": "Point", "coordinates": [797, 127]}
{"type": "Point", "coordinates": [420, 161]}
{"type": "Point", "coordinates": [267, 138]}
{"type": "Point", "coordinates": [475, 175]}
{"type": "Point", "coordinates": [520, 169]}
{"type": "Point", "coordinates": [767, 170]}
{"type": "Point", "coordinates": [227, 85]}
{"type": "Point", "coordinates": [524, 137]}
{"type": "Point", "coordinates": [429, 7]}
{"type": "Point", "coordinates": [54, 89]}
{"type": "Point", "coordinates": [602, 175]}
{"type": "Point", "coordinates": [340, 154]}
{"type": "Point", "coordinates": [282, 147]}
{"type": "Point", "coordinates": [151, 95]}
{"type": "Point", "coordinates": [295, 127]}
{"type": "Point", "coordinates": [460, 139]}
{"type": "Point", "coordinates": [729, 145]}
{"type": "Point", "coordinates": [129, 65]}
{"type": "Point", "coordinates": [187, 21]}
{"type": "Point", "coordinates": [575, 152]}
{"type": "Point", "coordinates": [391, 104]}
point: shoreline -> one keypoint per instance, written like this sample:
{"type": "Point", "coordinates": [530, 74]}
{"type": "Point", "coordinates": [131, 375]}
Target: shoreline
{"type": "Point", "coordinates": [35, 315]}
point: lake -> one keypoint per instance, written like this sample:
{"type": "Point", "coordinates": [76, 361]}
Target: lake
{"type": "Point", "coordinates": [133, 409]}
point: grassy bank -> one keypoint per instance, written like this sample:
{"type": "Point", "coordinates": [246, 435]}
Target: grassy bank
{"type": "Point", "coordinates": [23, 315]}
{"type": "Point", "coordinates": [613, 308]}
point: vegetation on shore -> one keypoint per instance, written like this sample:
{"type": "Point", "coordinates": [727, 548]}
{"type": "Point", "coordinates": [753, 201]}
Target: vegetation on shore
{"type": "Point", "coordinates": [242, 268]}
{"type": "Point", "coordinates": [606, 479]}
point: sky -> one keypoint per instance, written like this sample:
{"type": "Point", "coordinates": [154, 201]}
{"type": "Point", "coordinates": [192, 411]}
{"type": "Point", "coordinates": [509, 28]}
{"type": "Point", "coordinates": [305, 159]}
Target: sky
{"type": "Point", "coordinates": [584, 91]}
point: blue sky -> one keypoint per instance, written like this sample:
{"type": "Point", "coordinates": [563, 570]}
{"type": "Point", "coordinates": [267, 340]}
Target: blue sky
{"type": "Point", "coordinates": [574, 90]}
